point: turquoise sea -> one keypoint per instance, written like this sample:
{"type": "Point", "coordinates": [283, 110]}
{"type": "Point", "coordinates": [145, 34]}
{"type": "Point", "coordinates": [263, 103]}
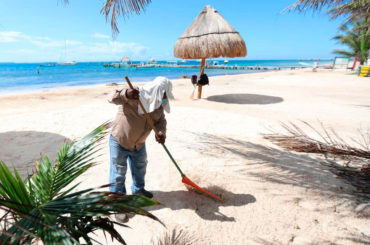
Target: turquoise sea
{"type": "Point", "coordinates": [18, 77]}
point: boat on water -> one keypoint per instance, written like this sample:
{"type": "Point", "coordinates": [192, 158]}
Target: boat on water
{"type": "Point", "coordinates": [67, 63]}
{"type": "Point", "coordinates": [226, 61]}
{"type": "Point", "coordinates": [152, 61]}
{"type": "Point", "coordinates": [47, 65]}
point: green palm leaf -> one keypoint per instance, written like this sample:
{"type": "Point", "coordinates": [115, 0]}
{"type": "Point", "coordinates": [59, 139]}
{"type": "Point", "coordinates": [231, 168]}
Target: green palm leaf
{"type": "Point", "coordinates": [45, 207]}
{"type": "Point", "coordinates": [73, 159]}
{"type": "Point", "coordinates": [354, 36]}
{"type": "Point", "coordinates": [13, 191]}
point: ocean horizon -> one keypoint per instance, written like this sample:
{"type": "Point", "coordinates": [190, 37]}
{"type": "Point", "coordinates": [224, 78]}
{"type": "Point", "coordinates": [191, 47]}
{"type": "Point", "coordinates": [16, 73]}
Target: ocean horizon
{"type": "Point", "coordinates": [27, 77]}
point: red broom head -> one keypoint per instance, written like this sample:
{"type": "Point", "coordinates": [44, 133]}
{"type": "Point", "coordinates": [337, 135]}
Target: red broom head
{"type": "Point", "coordinates": [187, 181]}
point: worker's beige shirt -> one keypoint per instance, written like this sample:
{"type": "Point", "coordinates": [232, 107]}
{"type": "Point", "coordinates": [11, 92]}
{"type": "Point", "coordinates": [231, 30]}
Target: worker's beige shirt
{"type": "Point", "coordinates": [129, 128]}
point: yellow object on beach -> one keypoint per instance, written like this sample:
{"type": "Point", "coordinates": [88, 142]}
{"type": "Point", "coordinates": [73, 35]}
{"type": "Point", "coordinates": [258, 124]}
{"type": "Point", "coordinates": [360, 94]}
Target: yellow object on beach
{"type": "Point", "coordinates": [364, 71]}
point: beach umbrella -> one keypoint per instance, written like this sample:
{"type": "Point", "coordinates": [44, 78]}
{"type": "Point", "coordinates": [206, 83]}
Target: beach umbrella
{"type": "Point", "coordinates": [209, 36]}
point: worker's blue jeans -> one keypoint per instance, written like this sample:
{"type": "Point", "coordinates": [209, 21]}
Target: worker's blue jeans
{"type": "Point", "coordinates": [137, 160]}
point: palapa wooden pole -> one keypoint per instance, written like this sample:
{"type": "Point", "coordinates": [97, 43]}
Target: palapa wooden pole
{"type": "Point", "coordinates": [201, 73]}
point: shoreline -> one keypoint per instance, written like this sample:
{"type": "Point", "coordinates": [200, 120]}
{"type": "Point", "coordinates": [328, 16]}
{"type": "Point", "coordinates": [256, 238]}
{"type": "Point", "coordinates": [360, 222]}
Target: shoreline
{"type": "Point", "coordinates": [63, 88]}
{"type": "Point", "coordinates": [23, 78]}
{"type": "Point", "coordinates": [122, 81]}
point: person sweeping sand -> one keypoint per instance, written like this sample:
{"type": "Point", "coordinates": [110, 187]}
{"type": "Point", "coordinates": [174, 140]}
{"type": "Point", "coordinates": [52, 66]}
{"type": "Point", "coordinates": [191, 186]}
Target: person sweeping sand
{"type": "Point", "coordinates": [130, 130]}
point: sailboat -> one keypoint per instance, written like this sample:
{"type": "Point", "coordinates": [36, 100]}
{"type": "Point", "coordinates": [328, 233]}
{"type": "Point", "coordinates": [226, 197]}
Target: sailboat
{"type": "Point", "coordinates": [66, 63]}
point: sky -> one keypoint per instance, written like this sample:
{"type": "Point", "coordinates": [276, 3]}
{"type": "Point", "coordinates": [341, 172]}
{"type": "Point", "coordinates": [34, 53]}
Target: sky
{"type": "Point", "coordinates": [50, 31]}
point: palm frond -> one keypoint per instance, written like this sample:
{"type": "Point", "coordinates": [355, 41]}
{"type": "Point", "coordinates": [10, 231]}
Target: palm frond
{"type": "Point", "coordinates": [73, 159]}
{"type": "Point", "coordinates": [44, 207]}
{"type": "Point", "coordinates": [343, 52]}
{"type": "Point", "coordinates": [356, 8]}
{"type": "Point", "coordinates": [355, 35]}
{"type": "Point", "coordinates": [304, 5]}
{"type": "Point", "coordinates": [352, 9]}
{"type": "Point", "coordinates": [114, 8]}
{"type": "Point", "coordinates": [13, 191]}
{"type": "Point", "coordinates": [333, 147]}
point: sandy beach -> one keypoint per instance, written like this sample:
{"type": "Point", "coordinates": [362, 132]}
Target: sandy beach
{"type": "Point", "coordinates": [272, 196]}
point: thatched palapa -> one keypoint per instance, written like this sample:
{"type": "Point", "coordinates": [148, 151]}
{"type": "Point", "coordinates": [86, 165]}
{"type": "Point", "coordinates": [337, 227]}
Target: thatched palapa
{"type": "Point", "coordinates": [210, 36]}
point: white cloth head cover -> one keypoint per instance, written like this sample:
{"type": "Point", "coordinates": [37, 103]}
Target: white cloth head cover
{"type": "Point", "coordinates": [151, 95]}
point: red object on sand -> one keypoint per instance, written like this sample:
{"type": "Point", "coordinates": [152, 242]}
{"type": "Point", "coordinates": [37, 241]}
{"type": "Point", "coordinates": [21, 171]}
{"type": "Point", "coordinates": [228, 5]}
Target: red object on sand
{"type": "Point", "coordinates": [354, 63]}
{"type": "Point", "coordinates": [187, 181]}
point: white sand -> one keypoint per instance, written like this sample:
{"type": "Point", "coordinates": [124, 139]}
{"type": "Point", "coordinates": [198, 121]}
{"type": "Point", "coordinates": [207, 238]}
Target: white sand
{"type": "Point", "coordinates": [272, 196]}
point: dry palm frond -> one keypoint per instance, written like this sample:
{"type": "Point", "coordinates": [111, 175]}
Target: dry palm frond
{"type": "Point", "coordinates": [332, 145]}
{"type": "Point", "coordinates": [328, 142]}
{"type": "Point", "coordinates": [114, 8]}
{"type": "Point", "coordinates": [175, 237]}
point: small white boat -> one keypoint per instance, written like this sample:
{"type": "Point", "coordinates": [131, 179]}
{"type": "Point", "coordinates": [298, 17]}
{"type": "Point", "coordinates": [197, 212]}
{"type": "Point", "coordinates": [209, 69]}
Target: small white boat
{"type": "Point", "coordinates": [152, 61]}
{"type": "Point", "coordinates": [67, 63]}
{"type": "Point", "coordinates": [226, 61]}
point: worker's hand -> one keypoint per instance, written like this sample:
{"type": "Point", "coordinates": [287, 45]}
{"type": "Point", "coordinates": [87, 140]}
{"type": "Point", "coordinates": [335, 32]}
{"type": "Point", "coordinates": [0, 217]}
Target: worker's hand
{"type": "Point", "coordinates": [160, 138]}
{"type": "Point", "coordinates": [132, 94]}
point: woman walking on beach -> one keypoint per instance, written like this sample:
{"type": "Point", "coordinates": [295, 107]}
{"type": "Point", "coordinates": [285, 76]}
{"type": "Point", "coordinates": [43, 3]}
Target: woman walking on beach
{"type": "Point", "coordinates": [130, 130]}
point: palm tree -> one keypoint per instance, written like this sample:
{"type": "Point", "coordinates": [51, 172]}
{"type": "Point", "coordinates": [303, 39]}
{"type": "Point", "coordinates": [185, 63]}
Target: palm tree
{"type": "Point", "coordinates": [355, 9]}
{"type": "Point", "coordinates": [356, 39]}
{"type": "Point", "coordinates": [46, 206]}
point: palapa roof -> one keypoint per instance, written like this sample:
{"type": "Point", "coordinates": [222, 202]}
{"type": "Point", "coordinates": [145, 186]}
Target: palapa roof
{"type": "Point", "coordinates": [210, 36]}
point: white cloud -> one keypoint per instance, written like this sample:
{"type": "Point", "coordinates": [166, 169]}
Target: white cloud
{"type": "Point", "coordinates": [45, 48]}
{"type": "Point", "coordinates": [112, 50]}
{"type": "Point", "coordinates": [100, 36]}
{"type": "Point", "coordinates": [54, 44]}
{"type": "Point", "coordinates": [45, 42]}
{"type": "Point", "coordinates": [22, 51]}
{"type": "Point", "coordinates": [9, 36]}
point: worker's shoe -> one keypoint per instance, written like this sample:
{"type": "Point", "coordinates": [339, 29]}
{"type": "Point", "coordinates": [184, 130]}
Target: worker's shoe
{"type": "Point", "coordinates": [123, 218]}
{"type": "Point", "coordinates": [145, 193]}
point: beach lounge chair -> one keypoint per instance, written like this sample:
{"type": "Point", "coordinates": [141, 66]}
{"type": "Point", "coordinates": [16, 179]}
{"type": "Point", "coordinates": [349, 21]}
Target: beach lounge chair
{"type": "Point", "coordinates": [341, 63]}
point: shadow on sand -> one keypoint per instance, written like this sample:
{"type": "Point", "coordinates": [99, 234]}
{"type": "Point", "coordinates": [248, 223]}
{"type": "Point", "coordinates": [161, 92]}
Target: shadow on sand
{"type": "Point", "coordinates": [22, 148]}
{"type": "Point", "coordinates": [245, 99]}
{"type": "Point", "coordinates": [288, 168]}
{"type": "Point", "coordinates": [203, 206]}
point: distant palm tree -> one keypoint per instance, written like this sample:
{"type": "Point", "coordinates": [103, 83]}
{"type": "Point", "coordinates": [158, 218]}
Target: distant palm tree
{"type": "Point", "coordinates": [46, 206]}
{"type": "Point", "coordinates": [356, 39]}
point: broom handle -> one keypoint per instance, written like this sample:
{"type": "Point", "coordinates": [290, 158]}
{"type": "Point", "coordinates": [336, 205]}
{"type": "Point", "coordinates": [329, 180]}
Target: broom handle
{"type": "Point", "coordinates": [154, 128]}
